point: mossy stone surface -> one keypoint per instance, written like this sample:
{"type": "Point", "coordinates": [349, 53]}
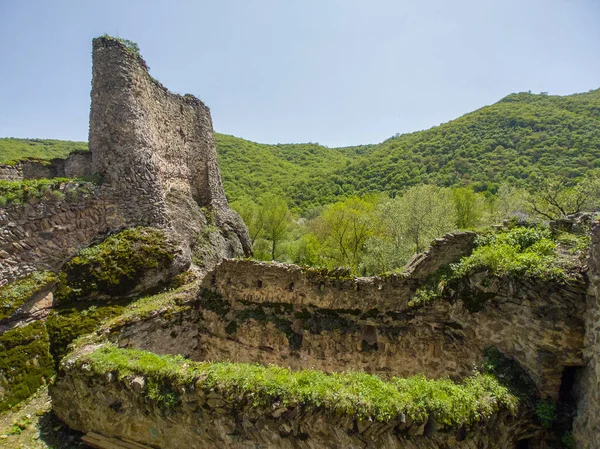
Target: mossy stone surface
{"type": "Point", "coordinates": [25, 363]}
{"type": "Point", "coordinates": [115, 266]}
{"type": "Point", "coordinates": [15, 294]}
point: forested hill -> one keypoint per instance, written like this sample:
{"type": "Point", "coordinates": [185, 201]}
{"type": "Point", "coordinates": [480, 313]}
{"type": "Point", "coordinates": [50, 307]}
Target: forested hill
{"type": "Point", "coordinates": [515, 140]}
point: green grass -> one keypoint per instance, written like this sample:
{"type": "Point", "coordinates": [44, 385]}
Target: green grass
{"type": "Point", "coordinates": [15, 294]}
{"type": "Point", "coordinates": [13, 150]}
{"type": "Point", "coordinates": [362, 395]}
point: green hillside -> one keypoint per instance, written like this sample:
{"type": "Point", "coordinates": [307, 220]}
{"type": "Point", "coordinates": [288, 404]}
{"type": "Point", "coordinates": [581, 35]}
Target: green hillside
{"type": "Point", "coordinates": [12, 150]}
{"type": "Point", "coordinates": [516, 140]}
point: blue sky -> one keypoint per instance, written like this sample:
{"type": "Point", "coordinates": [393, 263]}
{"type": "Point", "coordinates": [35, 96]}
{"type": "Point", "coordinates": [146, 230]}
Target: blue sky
{"type": "Point", "coordinates": [337, 72]}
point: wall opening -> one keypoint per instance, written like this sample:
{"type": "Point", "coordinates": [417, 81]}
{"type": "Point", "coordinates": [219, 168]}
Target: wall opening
{"type": "Point", "coordinates": [567, 384]}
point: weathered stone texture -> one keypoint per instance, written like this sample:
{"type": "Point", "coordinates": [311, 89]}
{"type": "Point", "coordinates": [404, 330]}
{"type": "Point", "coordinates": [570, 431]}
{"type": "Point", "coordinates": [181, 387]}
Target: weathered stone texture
{"type": "Point", "coordinates": [11, 172]}
{"type": "Point", "coordinates": [275, 313]}
{"type": "Point", "coordinates": [586, 427]}
{"type": "Point", "coordinates": [46, 234]}
{"type": "Point", "coordinates": [156, 154]}
{"type": "Point", "coordinates": [156, 150]}
{"type": "Point", "coordinates": [205, 419]}
{"type": "Point", "coordinates": [76, 165]}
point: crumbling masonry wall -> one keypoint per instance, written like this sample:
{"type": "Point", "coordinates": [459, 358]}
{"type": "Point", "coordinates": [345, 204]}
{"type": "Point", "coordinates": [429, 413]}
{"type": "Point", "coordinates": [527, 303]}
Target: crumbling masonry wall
{"type": "Point", "coordinates": [77, 164]}
{"type": "Point", "coordinates": [153, 151]}
{"type": "Point", "coordinates": [586, 427]}
{"type": "Point", "coordinates": [286, 315]}
{"type": "Point", "coordinates": [43, 235]}
{"type": "Point", "coordinates": [156, 150]}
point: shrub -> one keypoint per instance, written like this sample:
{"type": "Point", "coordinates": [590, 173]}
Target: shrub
{"type": "Point", "coordinates": [546, 412]}
{"type": "Point", "coordinates": [520, 252]}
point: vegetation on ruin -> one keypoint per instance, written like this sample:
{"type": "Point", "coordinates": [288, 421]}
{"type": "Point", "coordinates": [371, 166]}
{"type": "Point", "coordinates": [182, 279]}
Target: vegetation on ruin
{"type": "Point", "coordinates": [36, 190]}
{"type": "Point", "coordinates": [114, 266]}
{"type": "Point", "coordinates": [25, 363]}
{"type": "Point", "coordinates": [131, 46]}
{"type": "Point", "coordinates": [15, 294]}
{"type": "Point", "coordinates": [65, 325]}
{"type": "Point", "coordinates": [520, 252]}
{"type": "Point", "coordinates": [359, 394]}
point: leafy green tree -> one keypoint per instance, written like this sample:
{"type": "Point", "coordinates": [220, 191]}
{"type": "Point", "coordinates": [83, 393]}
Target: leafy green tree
{"type": "Point", "coordinates": [276, 218]}
{"type": "Point", "coordinates": [426, 212]}
{"type": "Point", "coordinates": [469, 207]}
{"type": "Point", "coordinates": [253, 216]}
{"type": "Point", "coordinates": [508, 201]}
{"type": "Point", "coordinates": [343, 229]}
{"type": "Point", "coordinates": [557, 197]}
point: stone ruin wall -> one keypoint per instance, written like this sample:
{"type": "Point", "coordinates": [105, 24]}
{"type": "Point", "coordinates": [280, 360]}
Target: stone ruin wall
{"type": "Point", "coordinates": [44, 235]}
{"type": "Point", "coordinates": [281, 314]}
{"type": "Point", "coordinates": [205, 420]}
{"type": "Point", "coordinates": [11, 172]}
{"type": "Point", "coordinates": [156, 150]}
{"type": "Point", "coordinates": [77, 164]}
{"type": "Point", "coordinates": [586, 427]}
{"type": "Point", "coordinates": [156, 155]}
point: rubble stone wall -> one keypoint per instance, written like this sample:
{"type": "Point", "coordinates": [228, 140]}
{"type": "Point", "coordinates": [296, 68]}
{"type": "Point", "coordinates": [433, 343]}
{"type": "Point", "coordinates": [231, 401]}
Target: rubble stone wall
{"type": "Point", "coordinates": [11, 172]}
{"type": "Point", "coordinates": [587, 423]}
{"type": "Point", "coordinates": [275, 313]}
{"type": "Point", "coordinates": [155, 155]}
{"type": "Point", "coordinates": [76, 165]}
{"type": "Point", "coordinates": [120, 407]}
{"type": "Point", "coordinates": [156, 150]}
{"type": "Point", "coordinates": [45, 234]}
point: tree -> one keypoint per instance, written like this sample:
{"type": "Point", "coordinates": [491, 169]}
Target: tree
{"type": "Point", "coordinates": [509, 201]}
{"type": "Point", "coordinates": [557, 198]}
{"type": "Point", "coordinates": [276, 218]}
{"type": "Point", "coordinates": [343, 229]}
{"type": "Point", "coordinates": [469, 207]}
{"type": "Point", "coordinates": [424, 212]}
{"type": "Point", "coordinates": [253, 216]}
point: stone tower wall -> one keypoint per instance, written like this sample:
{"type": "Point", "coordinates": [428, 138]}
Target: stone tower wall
{"type": "Point", "coordinates": [155, 154]}
{"type": "Point", "coordinates": [147, 142]}
{"type": "Point", "coordinates": [586, 427]}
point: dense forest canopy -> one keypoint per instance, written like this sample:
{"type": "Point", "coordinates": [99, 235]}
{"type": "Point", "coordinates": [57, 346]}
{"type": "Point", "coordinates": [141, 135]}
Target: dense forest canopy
{"type": "Point", "coordinates": [518, 140]}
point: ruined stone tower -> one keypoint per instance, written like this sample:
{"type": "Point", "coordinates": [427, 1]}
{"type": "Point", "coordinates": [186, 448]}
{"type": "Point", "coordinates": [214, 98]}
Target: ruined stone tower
{"type": "Point", "coordinates": [156, 151]}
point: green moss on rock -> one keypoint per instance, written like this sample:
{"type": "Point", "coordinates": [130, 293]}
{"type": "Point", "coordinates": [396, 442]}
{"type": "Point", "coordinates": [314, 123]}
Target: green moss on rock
{"type": "Point", "coordinates": [15, 294]}
{"type": "Point", "coordinates": [115, 266]}
{"type": "Point", "coordinates": [25, 363]}
{"type": "Point", "coordinates": [66, 324]}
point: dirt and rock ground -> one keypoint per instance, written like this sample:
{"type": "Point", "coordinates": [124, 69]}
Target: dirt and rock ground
{"type": "Point", "coordinates": [33, 425]}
